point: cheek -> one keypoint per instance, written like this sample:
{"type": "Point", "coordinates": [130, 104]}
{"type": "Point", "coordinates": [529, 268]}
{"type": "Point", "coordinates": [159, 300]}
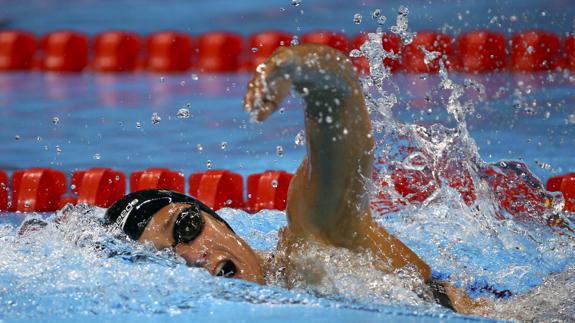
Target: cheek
{"type": "Point", "coordinates": [193, 256]}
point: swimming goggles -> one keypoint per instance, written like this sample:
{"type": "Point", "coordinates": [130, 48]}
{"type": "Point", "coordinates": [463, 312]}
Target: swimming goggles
{"type": "Point", "coordinates": [189, 225]}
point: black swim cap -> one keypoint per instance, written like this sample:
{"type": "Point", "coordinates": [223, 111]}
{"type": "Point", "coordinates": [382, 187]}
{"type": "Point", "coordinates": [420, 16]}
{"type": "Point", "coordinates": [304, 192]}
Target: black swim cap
{"type": "Point", "coordinates": [133, 211]}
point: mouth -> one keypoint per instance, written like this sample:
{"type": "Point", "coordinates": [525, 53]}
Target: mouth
{"type": "Point", "coordinates": [226, 268]}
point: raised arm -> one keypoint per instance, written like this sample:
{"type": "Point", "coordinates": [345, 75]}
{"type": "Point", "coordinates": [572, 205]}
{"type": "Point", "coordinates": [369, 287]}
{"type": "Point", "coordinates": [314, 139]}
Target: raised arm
{"type": "Point", "coordinates": [328, 200]}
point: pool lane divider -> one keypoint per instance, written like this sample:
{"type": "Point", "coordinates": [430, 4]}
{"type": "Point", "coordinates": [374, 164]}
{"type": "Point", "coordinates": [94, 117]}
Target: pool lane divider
{"type": "Point", "coordinates": [226, 52]}
{"type": "Point", "coordinates": [46, 190]}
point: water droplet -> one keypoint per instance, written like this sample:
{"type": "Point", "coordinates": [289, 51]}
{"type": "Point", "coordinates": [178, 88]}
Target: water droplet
{"type": "Point", "coordinates": [194, 77]}
{"type": "Point", "coordinates": [183, 113]}
{"type": "Point", "coordinates": [72, 187]}
{"type": "Point", "coordinates": [155, 118]}
{"type": "Point", "coordinates": [199, 147]}
{"type": "Point", "coordinates": [138, 125]}
{"type": "Point", "coordinates": [355, 53]}
{"type": "Point", "coordinates": [275, 183]}
{"type": "Point", "coordinates": [27, 203]}
{"type": "Point", "coordinates": [97, 156]}
{"type": "Point", "coordinates": [209, 164]}
{"type": "Point", "coordinates": [183, 83]}
{"type": "Point", "coordinates": [530, 50]}
{"type": "Point", "coordinates": [295, 3]}
{"type": "Point", "coordinates": [254, 49]}
{"type": "Point", "coordinates": [224, 145]}
{"type": "Point", "coordinates": [345, 132]}
{"type": "Point", "coordinates": [376, 14]}
{"type": "Point", "coordinates": [228, 202]}
{"type": "Point", "coordinates": [162, 79]}
{"type": "Point", "coordinates": [55, 120]}
{"type": "Point", "coordinates": [571, 119]}
{"type": "Point", "coordinates": [17, 137]}
{"type": "Point", "coordinates": [58, 149]}
{"type": "Point", "coordinates": [279, 151]}
{"type": "Point", "coordinates": [357, 18]}
{"type": "Point", "coordinates": [294, 41]}
{"type": "Point", "coordinates": [328, 119]}
{"type": "Point", "coordinates": [39, 138]}
{"type": "Point", "coordinates": [300, 138]}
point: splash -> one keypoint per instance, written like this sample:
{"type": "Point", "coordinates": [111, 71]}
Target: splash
{"type": "Point", "coordinates": [488, 227]}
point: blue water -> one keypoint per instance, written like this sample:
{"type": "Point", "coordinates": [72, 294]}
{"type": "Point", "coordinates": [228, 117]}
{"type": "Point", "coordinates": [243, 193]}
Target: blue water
{"type": "Point", "coordinates": [525, 117]}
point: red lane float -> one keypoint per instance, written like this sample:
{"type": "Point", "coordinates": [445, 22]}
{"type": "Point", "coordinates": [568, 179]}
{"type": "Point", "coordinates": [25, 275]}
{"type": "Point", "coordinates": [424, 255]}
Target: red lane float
{"type": "Point", "coordinates": [64, 51]}
{"type": "Point", "coordinates": [98, 186]}
{"type": "Point", "coordinates": [37, 189]}
{"type": "Point", "coordinates": [218, 188]}
{"type": "Point", "coordinates": [169, 52]}
{"type": "Point", "coordinates": [262, 46]}
{"type": "Point", "coordinates": [333, 39]}
{"type": "Point", "coordinates": [568, 190]}
{"type": "Point", "coordinates": [3, 191]}
{"type": "Point", "coordinates": [554, 184]}
{"type": "Point", "coordinates": [481, 51]}
{"type": "Point", "coordinates": [116, 51]}
{"type": "Point", "coordinates": [414, 57]}
{"type": "Point", "coordinates": [534, 51]}
{"type": "Point", "coordinates": [268, 190]}
{"type": "Point", "coordinates": [219, 52]}
{"type": "Point", "coordinates": [569, 52]}
{"type": "Point", "coordinates": [17, 50]}
{"type": "Point", "coordinates": [389, 42]}
{"type": "Point", "coordinates": [157, 178]}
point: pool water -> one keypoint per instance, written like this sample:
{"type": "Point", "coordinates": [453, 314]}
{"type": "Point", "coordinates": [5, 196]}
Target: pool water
{"type": "Point", "coordinates": [106, 121]}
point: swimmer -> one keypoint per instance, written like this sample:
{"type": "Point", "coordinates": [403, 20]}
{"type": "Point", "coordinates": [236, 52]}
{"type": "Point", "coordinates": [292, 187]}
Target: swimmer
{"type": "Point", "coordinates": [328, 203]}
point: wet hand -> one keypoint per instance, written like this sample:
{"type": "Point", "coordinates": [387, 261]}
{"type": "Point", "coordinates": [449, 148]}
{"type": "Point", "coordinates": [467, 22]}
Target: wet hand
{"type": "Point", "coordinates": [269, 85]}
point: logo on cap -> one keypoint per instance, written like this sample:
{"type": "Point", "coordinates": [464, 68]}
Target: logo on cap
{"type": "Point", "coordinates": [124, 215]}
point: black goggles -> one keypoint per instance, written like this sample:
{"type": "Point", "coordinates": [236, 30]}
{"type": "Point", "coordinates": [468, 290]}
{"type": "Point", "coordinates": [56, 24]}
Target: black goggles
{"type": "Point", "coordinates": [190, 223]}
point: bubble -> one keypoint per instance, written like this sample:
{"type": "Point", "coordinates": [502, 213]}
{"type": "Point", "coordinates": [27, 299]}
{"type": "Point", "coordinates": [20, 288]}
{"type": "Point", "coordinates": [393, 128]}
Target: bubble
{"type": "Point", "coordinates": [300, 138]}
{"type": "Point", "coordinates": [209, 164]}
{"type": "Point", "coordinates": [194, 77]}
{"type": "Point", "coordinates": [183, 113]}
{"type": "Point", "coordinates": [155, 118]}
{"type": "Point", "coordinates": [97, 156]}
{"type": "Point", "coordinates": [138, 125]}
{"type": "Point", "coordinates": [199, 147]}
{"type": "Point", "coordinates": [279, 151]}
{"type": "Point", "coordinates": [357, 18]}
{"type": "Point", "coordinates": [275, 183]}
{"type": "Point", "coordinates": [296, 3]}
{"type": "Point", "coordinates": [55, 120]}
{"type": "Point", "coordinates": [224, 145]}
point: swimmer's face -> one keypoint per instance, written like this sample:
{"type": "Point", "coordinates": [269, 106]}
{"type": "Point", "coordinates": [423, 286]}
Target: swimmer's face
{"type": "Point", "coordinates": [216, 248]}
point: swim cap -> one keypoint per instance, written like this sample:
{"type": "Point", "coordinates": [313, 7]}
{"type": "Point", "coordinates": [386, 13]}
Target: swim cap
{"type": "Point", "coordinates": [133, 211]}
